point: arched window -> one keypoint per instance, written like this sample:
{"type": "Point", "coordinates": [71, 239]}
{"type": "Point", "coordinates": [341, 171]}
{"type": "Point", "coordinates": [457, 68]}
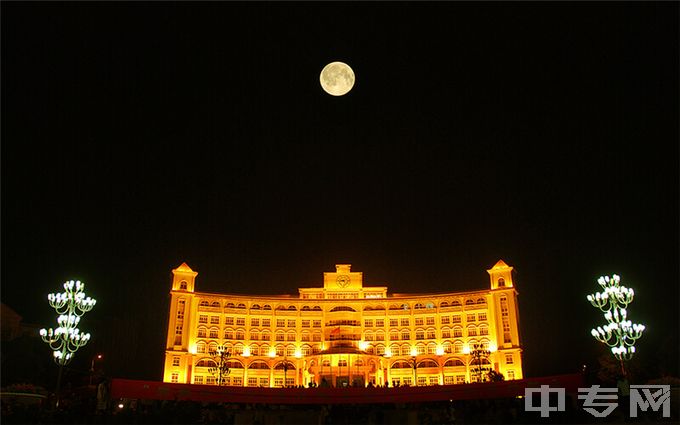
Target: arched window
{"type": "Point", "coordinates": [259, 364]}
{"type": "Point", "coordinates": [254, 350]}
{"type": "Point", "coordinates": [431, 333]}
{"type": "Point", "coordinates": [457, 332]}
{"type": "Point", "coordinates": [420, 334]}
{"type": "Point", "coordinates": [202, 332]}
{"type": "Point", "coordinates": [228, 333]}
{"type": "Point", "coordinates": [457, 347]}
{"type": "Point", "coordinates": [290, 336]}
{"type": "Point", "coordinates": [380, 335]}
{"type": "Point", "coordinates": [427, 363]}
{"type": "Point", "coordinates": [394, 335]}
{"type": "Point", "coordinates": [447, 347]}
{"type": "Point", "coordinates": [405, 350]}
{"type": "Point", "coordinates": [358, 362]}
{"type": "Point", "coordinates": [215, 304]}
{"type": "Point", "coordinates": [481, 301]}
{"type": "Point", "coordinates": [229, 305]}
{"type": "Point", "coordinates": [472, 330]}
{"type": "Point", "coordinates": [420, 348]}
{"type": "Point", "coordinates": [266, 335]}
{"type": "Point", "coordinates": [405, 334]}
{"type": "Point", "coordinates": [280, 365]}
{"type": "Point", "coordinates": [183, 285]}
{"type": "Point", "coordinates": [418, 306]}
{"type": "Point", "coordinates": [255, 335]}
{"type": "Point", "coordinates": [432, 348]}
{"type": "Point", "coordinates": [405, 307]}
{"type": "Point", "coordinates": [316, 308]}
{"type": "Point", "coordinates": [200, 347]}
{"type": "Point", "coordinates": [501, 282]}
{"type": "Point", "coordinates": [400, 364]}
{"type": "Point", "coordinates": [483, 330]}
{"type": "Point", "coordinates": [240, 334]}
{"type": "Point", "coordinates": [305, 308]}
{"type": "Point", "coordinates": [266, 307]}
{"type": "Point", "coordinates": [455, 303]}
{"type": "Point", "coordinates": [380, 349]}
{"type": "Point", "coordinates": [255, 307]}
{"type": "Point", "coordinates": [292, 308]}
{"type": "Point", "coordinates": [214, 332]}
{"type": "Point", "coordinates": [203, 303]}
{"type": "Point", "coordinates": [342, 308]}
{"type": "Point", "coordinates": [206, 363]}
{"type": "Point", "coordinates": [470, 302]}
{"type": "Point", "coordinates": [290, 350]}
{"type": "Point", "coordinates": [306, 350]}
{"type": "Point", "coordinates": [326, 363]}
{"type": "Point", "coordinates": [443, 304]}
{"type": "Point", "coordinates": [454, 363]}
{"type": "Point", "coordinates": [238, 349]}
{"type": "Point", "coordinates": [241, 305]}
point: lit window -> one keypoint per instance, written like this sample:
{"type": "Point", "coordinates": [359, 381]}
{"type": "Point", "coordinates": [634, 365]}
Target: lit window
{"type": "Point", "coordinates": [368, 323]}
{"type": "Point", "coordinates": [203, 319]}
{"type": "Point", "coordinates": [214, 320]}
{"type": "Point", "coordinates": [280, 323]}
{"type": "Point", "coordinates": [508, 359]}
{"type": "Point", "coordinates": [472, 331]}
{"type": "Point", "coordinates": [511, 375]}
{"type": "Point", "coordinates": [501, 282]}
{"type": "Point", "coordinates": [201, 332]}
{"type": "Point", "coordinates": [445, 320]}
{"type": "Point", "coordinates": [213, 333]}
{"type": "Point", "coordinates": [457, 332]}
{"type": "Point", "coordinates": [266, 323]}
{"type": "Point", "coordinates": [431, 334]}
{"type": "Point", "coordinates": [394, 322]}
{"type": "Point", "coordinates": [240, 321]}
{"type": "Point", "coordinates": [254, 322]}
{"type": "Point", "coordinates": [405, 335]}
{"type": "Point", "coordinates": [252, 382]}
{"type": "Point", "coordinates": [228, 320]}
{"type": "Point", "coordinates": [183, 285]}
{"type": "Point", "coordinates": [198, 380]}
{"type": "Point", "coordinates": [175, 361]}
{"type": "Point", "coordinates": [342, 363]}
{"type": "Point", "coordinates": [305, 323]}
{"type": "Point", "coordinates": [471, 317]}
{"type": "Point", "coordinates": [420, 334]}
{"type": "Point", "coordinates": [405, 322]}
{"type": "Point", "coordinates": [380, 323]}
{"type": "Point", "coordinates": [430, 320]}
{"type": "Point", "coordinates": [380, 336]}
{"type": "Point", "coordinates": [291, 323]}
{"type": "Point", "coordinates": [317, 323]}
{"type": "Point", "coordinates": [419, 321]}
{"type": "Point", "coordinates": [174, 377]}
{"type": "Point", "coordinates": [481, 317]}
{"type": "Point", "coordinates": [456, 319]}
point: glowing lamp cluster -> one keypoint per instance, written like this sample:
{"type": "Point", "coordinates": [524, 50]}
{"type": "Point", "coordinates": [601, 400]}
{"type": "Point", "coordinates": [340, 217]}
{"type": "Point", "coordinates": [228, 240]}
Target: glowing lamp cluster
{"type": "Point", "coordinates": [620, 334]}
{"type": "Point", "coordinates": [70, 305]}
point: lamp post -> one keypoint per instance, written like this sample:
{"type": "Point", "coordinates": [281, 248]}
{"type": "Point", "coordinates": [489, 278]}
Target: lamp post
{"type": "Point", "coordinates": [221, 368]}
{"type": "Point", "coordinates": [619, 334]}
{"type": "Point", "coordinates": [285, 371]}
{"type": "Point", "coordinates": [66, 339]}
{"type": "Point", "coordinates": [479, 353]}
{"type": "Point", "coordinates": [97, 357]}
{"type": "Point", "coordinates": [414, 365]}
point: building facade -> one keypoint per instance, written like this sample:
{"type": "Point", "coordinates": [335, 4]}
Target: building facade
{"type": "Point", "coordinates": [343, 333]}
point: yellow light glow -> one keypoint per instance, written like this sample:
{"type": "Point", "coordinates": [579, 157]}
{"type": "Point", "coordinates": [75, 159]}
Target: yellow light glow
{"type": "Point", "coordinates": [492, 347]}
{"type": "Point", "coordinates": [414, 352]}
{"type": "Point", "coordinates": [246, 351]}
{"type": "Point", "coordinates": [363, 345]}
{"type": "Point", "coordinates": [298, 353]}
{"type": "Point", "coordinates": [192, 349]}
{"type": "Point", "coordinates": [440, 350]}
{"type": "Point", "coordinates": [272, 352]}
{"type": "Point", "coordinates": [388, 352]}
{"type": "Point", "coordinates": [466, 350]}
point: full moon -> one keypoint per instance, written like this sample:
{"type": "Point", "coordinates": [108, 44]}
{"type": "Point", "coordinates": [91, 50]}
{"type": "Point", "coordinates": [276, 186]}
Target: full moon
{"type": "Point", "coordinates": [337, 78]}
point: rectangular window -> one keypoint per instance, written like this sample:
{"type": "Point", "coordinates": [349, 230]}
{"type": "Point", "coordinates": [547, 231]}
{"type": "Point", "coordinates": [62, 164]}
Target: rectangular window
{"type": "Point", "coordinates": [508, 359]}
{"type": "Point", "coordinates": [174, 377]}
{"type": "Point", "coordinates": [430, 334]}
{"type": "Point", "coordinates": [175, 360]}
{"type": "Point", "coordinates": [457, 332]}
{"type": "Point", "coordinates": [278, 382]}
{"type": "Point", "coordinates": [210, 380]}
{"type": "Point", "coordinates": [280, 337]}
{"type": "Point", "coordinates": [290, 337]}
{"type": "Point", "coordinates": [240, 321]}
{"type": "Point", "coordinates": [368, 323]}
{"type": "Point", "coordinates": [445, 320]}
{"type": "Point", "coordinates": [198, 380]}
{"type": "Point", "coordinates": [407, 381]}
{"type": "Point", "coordinates": [511, 375]}
{"type": "Point", "coordinates": [254, 322]}
{"type": "Point", "coordinates": [460, 379]}
{"type": "Point", "coordinates": [291, 323]}
{"type": "Point", "coordinates": [394, 322]}
{"type": "Point", "coordinates": [214, 320]}
{"type": "Point", "coordinates": [380, 323]}
{"type": "Point", "coordinates": [290, 382]}
{"type": "Point", "coordinates": [471, 317]}
{"type": "Point", "coordinates": [482, 317]}
{"type": "Point", "coordinates": [203, 319]}
{"type": "Point", "coordinates": [316, 337]}
{"type": "Point", "coordinates": [446, 333]}
{"type": "Point", "coordinates": [422, 381]}
{"type": "Point", "coordinates": [264, 382]}
{"type": "Point", "coordinates": [449, 380]}
{"type": "Point", "coordinates": [252, 382]}
{"type": "Point", "coordinates": [430, 320]}
{"type": "Point", "coordinates": [317, 323]}
{"type": "Point", "coordinates": [405, 322]}
{"type": "Point", "coordinates": [280, 323]}
{"type": "Point", "coordinates": [305, 336]}
{"type": "Point", "coordinates": [419, 321]}
{"type": "Point", "coordinates": [342, 363]}
{"type": "Point", "coordinates": [433, 380]}
{"type": "Point", "coordinates": [266, 323]}
{"type": "Point", "coordinates": [237, 381]}
{"type": "Point", "coordinates": [305, 323]}
{"type": "Point", "coordinates": [456, 319]}
{"type": "Point", "coordinates": [228, 320]}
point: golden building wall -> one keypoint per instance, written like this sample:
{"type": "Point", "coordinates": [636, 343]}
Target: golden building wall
{"type": "Point", "coordinates": [343, 333]}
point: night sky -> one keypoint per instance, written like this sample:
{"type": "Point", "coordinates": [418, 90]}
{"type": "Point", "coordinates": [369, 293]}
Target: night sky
{"type": "Point", "coordinates": [136, 137]}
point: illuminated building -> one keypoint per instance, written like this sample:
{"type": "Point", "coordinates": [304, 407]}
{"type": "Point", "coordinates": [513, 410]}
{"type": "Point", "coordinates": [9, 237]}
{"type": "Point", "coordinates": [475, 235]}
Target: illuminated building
{"type": "Point", "coordinates": [343, 333]}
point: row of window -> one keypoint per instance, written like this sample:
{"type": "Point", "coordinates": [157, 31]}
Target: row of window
{"type": "Point", "coordinates": [369, 323]}
{"type": "Point", "coordinates": [404, 306]}
{"type": "Point", "coordinates": [394, 335]}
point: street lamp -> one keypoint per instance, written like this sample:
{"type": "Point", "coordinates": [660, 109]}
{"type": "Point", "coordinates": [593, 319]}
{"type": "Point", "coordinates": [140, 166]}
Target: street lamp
{"type": "Point", "coordinates": [97, 357]}
{"type": "Point", "coordinates": [619, 334]}
{"type": "Point", "coordinates": [66, 339]}
{"type": "Point", "coordinates": [221, 368]}
{"type": "Point", "coordinates": [479, 353]}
